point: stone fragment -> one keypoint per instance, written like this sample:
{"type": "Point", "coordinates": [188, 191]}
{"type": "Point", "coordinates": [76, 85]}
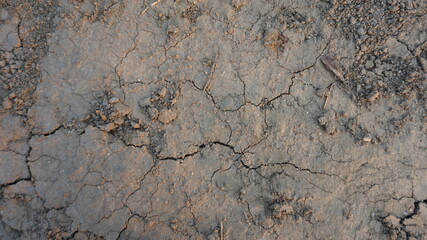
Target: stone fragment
{"type": "Point", "coordinates": [108, 127]}
{"type": "Point", "coordinates": [369, 64]}
{"type": "Point", "coordinates": [102, 115]}
{"type": "Point", "coordinates": [9, 38]}
{"type": "Point", "coordinates": [12, 167]}
{"type": "Point", "coordinates": [374, 96]}
{"type": "Point", "coordinates": [135, 125]}
{"type": "Point", "coordinates": [162, 93]}
{"type": "Point", "coordinates": [153, 113]}
{"type": "Point", "coordinates": [367, 138]}
{"type": "Point", "coordinates": [4, 15]}
{"type": "Point", "coordinates": [44, 119]}
{"type": "Point", "coordinates": [7, 104]}
{"type": "Point", "coordinates": [13, 134]}
{"type": "Point", "coordinates": [167, 116]}
{"type": "Point", "coordinates": [22, 187]}
{"type": "Point", "coordinates": [121, 111]}
{"type": "Point", "coordinates": [119, 121]}
{"type": "Point", "coordinates": [328, 121]}
{"type": "Point", "coordinates": [113, 100]}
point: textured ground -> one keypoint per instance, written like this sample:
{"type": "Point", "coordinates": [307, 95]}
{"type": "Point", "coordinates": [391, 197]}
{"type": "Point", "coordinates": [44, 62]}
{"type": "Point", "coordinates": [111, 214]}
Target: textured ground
{"type": "Point", "coordinates": [223, 119]}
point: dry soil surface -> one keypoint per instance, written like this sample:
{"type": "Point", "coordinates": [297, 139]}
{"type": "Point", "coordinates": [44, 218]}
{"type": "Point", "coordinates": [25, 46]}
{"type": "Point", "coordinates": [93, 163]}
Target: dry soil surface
{"type": "Point", "coordinates": [213, 119]}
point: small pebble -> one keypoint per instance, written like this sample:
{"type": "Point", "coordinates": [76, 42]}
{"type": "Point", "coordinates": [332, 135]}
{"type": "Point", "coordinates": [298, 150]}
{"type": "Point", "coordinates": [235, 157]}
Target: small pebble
{"type": "Point", "coordinates": [153, 113]}
{"type": "Point", "coordinates": [367, 138]}
{"type": "Point", "coordinates": [374, 96]}
{"type": "Point", "coordinates": [119, 121]}
{"type": "Point", "coordinates": [167, 116]}
{"type": "Point", "coordinates": [361, 31]}
{"type": "Point", "coordinates": [7, 104]}
{"type": "Point", "coordinates": [4, 15]}
{"type": "Point", "coordinates": [113, 100]}
{"type": "Point", "coordinates": [108, 127]}
{"type": "Point", "coordinates": [122, 109]}
{"type": "Point", "coordinates": [135, 125]}
{"type": "Point", "coordinates": [162, 93]}
{"type": "Point", "coordinates": [18, 64]}
{"type": "Point", "coordinates": [369, 64]}
{"type": "Point", "coordinates": [102, 115]}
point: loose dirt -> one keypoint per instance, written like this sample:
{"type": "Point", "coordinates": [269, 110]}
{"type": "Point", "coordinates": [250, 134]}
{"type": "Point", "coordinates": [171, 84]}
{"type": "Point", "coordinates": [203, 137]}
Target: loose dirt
{"type": "Point", "coordinates": [172, 119]}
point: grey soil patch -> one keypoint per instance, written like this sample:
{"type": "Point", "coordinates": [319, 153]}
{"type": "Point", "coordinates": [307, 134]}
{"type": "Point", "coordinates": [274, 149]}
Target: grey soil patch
{"type": "Point", "coordinates": [213, 119]}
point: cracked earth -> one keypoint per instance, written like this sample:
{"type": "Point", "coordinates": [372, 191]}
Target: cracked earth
{"type": "Point", "coordinates": [225, 119]}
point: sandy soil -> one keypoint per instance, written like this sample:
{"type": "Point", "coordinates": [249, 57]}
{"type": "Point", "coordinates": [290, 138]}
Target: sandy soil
{"type": "Point", "coordinates": [223, 119]}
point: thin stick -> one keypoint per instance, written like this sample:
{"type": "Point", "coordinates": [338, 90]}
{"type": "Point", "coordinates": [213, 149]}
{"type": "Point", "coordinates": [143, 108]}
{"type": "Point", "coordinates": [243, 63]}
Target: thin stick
{"type": "Point", "coordinates": [327, 96]}
{"type": "Point", "coordinates": [151, 5]}
{"type": "Point", "coordinates": [326, 102]}
{"type": "Point", "coordinates": [211, 74]}
{"type": "Point", "coordinates": [222, 233]}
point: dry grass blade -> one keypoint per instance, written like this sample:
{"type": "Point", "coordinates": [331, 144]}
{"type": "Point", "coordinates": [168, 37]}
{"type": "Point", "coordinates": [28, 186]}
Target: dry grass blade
{"type": "Point", "coordinates": [151, 5]}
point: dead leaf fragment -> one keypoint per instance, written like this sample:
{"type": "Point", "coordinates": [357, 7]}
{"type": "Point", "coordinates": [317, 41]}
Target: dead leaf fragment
{"type": "Point", "coordinates": [333, 65]}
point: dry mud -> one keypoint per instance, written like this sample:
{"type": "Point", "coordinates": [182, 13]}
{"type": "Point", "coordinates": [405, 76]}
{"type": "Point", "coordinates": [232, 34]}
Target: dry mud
{"type": "Point", "coordinates": [224, 119]}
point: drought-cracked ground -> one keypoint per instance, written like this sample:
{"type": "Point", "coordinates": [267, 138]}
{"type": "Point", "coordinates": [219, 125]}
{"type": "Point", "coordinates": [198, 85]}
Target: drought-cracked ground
{"type": "Point", "coordinates": [224, 119]}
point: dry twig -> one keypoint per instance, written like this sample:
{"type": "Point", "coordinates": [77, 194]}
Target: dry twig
{"type": "Point", "coordinates": [214, 65]}
{"type": "Point", "coordinates": [151, 5]}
